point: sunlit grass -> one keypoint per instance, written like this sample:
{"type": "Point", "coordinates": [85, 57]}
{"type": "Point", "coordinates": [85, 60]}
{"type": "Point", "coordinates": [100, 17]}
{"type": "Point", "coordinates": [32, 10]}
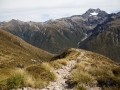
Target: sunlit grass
{"type": "Point", "coordinates": [80, 87]}
{"type": "Point", "coordinates": [35, 76]}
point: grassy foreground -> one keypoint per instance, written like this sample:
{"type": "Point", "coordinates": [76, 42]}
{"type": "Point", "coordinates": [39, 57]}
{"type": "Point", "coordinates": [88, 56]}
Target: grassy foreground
{"type": "Point", "coordinates": [94, 70]}
{"type": "Point", "coordinates": [91, 70]}
{"type": "Point", "coordinates": [37, 76]}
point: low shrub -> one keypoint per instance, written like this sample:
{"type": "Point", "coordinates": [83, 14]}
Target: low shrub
{"type": "Point", "coordinates": [81, 77]}
{"type": "Point", "coordinates": [63, 62]}
{"type": "Point", "coordinates": [16, 79]}
{"type": "Point", "coordinates": [56, 64]}
{"type": "Point", "coordinates": [21, 78]}
{"type": "Point", "coordinates": [43, 71]}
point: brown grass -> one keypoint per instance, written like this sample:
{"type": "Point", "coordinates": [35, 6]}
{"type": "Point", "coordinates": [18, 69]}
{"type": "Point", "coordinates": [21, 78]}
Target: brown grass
{"type": "Point", "coordinates": [35, 76]}
{"type": "Point", "coordinates": [15, 51]}
{"type": "Point", "coordinates": [96, 67]}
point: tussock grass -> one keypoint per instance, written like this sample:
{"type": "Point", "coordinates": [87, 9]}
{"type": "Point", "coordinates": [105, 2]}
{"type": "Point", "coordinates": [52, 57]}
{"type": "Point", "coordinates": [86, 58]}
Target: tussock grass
{"type": "Point", "coordinates": [58, 63]}
{"type": "Point", "coordinates": [20, 78]}
{"type": "Point", "coordinates": [3, 82]}
{"type": "Point", "coordinates": [16, 79]}
{"type": "Point", "coordinates": [46, 66]}
{"type": "Point", "coordinates": [78, 76]}
{"type": "Point", "coordinates": [63, 62]}
{"type": "Point", "coordinates": [80, 87]}
{"type": "Point", "coordinates": [93, 70]}
{"type": "Point", "coordinates": [43, 71]}
{"type": "Point", "coordinates": [35, 76]}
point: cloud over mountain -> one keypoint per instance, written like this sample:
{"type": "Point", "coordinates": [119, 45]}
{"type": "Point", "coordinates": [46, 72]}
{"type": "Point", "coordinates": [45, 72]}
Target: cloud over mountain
{"type": "Point", "coordinates": [42, 10]}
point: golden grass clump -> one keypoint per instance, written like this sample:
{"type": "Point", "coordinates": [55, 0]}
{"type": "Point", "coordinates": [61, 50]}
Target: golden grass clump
{"type": "Point", "coordinates": [62, 61]}
{"type": "Point", "coordinates": [58, 63]}
{"type": "Point", "coordinates": [46, 66]}
{"type": "Point", "coordinates": [81, 77]}
{"type": "Point", "coordinates": [94, 70]}
{"type": "Point", "coordinates": [35, 76]}
{"type": "Point", "coordinates": [43, 71]}
{"type": "Point", "coordinates": [20, 78]}
{"type": "Point", "coordinates": [80, 87]}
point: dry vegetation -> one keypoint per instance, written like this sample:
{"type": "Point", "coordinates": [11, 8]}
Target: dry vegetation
{"type": "Point", "coordinates": [37, 76]}
{"type": "Point", "coordinates": [90, 70]}
{"type": "Point", "coordinates": [14, 52]}
{"type": "Point", "coordinates": [95, 70]}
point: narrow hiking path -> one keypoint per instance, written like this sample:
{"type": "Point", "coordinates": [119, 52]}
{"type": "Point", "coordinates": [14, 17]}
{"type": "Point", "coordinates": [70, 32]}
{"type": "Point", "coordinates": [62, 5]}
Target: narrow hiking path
{"type": "Point", "coordinates": [62, 74]}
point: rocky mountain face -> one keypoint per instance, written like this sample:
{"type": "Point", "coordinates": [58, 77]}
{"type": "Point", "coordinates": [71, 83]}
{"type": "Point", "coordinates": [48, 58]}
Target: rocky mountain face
{"type": "Point", "coordinates": [56, 35]}
{"type": "Point", "coordinates": [105, 38]}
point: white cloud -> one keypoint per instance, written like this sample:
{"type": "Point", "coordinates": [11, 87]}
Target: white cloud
{"type": "Point", "coordinates": [42, 10]}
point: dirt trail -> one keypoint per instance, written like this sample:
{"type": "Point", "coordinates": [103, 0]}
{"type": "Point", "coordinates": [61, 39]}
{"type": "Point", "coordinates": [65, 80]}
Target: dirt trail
{"type": "Point", "coordinates": [62, 74]}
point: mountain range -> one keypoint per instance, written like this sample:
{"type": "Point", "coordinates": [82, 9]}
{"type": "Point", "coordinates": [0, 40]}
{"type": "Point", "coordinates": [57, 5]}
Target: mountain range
{"type": "Point", "coordinates": [76, 31]}
{"type": "Point", "coordinates": [26, 67]}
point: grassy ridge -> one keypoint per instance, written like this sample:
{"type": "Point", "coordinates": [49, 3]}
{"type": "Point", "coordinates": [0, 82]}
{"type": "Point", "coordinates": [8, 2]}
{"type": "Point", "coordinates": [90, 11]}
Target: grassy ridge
{"type": "Point", "coordinates": [54, 38]}
{"type": "Point", "coordinates": [91, 70]}
{"type": "Point", "coordinates": [15, 51]}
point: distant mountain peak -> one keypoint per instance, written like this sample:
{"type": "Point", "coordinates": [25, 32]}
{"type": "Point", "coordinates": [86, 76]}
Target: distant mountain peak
{"type": "Point", "coordinates": [94, 9]}
{"type": "Point", "coordinates": [94, 12]}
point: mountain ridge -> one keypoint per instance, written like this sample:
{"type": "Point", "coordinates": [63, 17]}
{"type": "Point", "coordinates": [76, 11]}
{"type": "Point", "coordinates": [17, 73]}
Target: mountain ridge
{"type": "Point", "coordinates": [55, 35]}
{"type": "Point", "coordinates": [109, 30]}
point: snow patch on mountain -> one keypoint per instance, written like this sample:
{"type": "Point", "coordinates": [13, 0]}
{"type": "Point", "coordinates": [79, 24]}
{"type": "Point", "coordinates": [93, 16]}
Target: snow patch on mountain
{"type": "Point", "coordinates": [94, 13]}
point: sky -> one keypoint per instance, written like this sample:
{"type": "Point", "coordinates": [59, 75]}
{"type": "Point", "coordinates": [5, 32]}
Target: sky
{"type": "Point", "coordinates": [43, 10]}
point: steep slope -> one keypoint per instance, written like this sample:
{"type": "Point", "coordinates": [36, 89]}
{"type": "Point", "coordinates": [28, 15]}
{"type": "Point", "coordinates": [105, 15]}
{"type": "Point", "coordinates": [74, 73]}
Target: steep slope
{"type": "Point", "coordinates": [78, 69]}
{"type": "Point", "coordinates": [57, 35]}
{"type": "Point", "coordinates": [14, 51]}
{"type": "Point", "coordinates": [105, 38]}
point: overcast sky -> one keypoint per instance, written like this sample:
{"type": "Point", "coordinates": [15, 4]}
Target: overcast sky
{"type": "Point", "coordinates": [42, 10]}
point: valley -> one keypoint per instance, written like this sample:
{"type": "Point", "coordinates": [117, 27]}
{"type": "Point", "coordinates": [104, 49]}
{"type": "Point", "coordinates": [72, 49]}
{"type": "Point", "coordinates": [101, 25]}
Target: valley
{"type": "Point", "coordinates": [80, 52]}
{"type": "Point", "coordinates": [55, 36]}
